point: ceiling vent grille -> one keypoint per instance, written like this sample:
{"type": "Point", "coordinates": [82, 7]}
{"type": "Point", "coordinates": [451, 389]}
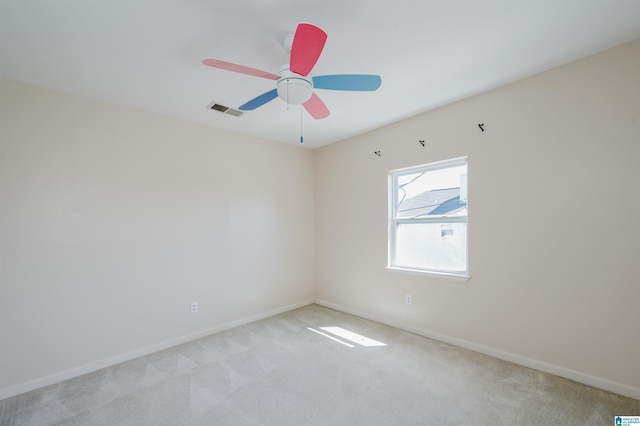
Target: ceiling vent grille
{"type": "Point", "coordinates": [224, 109]}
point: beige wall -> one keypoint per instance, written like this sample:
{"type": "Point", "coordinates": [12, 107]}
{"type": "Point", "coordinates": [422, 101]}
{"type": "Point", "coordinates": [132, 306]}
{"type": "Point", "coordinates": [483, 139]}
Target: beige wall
{"type": "Point", "coordinates": [113, 220]}
{"type": "Point", "coordinates": [553, 229]}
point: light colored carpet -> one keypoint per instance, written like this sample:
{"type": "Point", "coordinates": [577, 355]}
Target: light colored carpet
{"type": "Point", "coordinates": [279, 372]}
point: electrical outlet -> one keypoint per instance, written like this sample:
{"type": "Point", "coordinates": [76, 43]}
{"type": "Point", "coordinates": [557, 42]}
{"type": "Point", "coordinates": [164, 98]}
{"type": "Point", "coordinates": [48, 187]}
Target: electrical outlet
{"type": "Point", "coordinates": [407, 299]}
{"type": "Point", "coordinates": [194, 307]}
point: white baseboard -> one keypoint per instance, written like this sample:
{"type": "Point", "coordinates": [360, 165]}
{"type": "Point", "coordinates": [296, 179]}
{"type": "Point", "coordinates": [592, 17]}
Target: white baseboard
{"type": "Point", "coordinates": [576, 376]}
{"type": "Point", "coordinates": [10, 391]}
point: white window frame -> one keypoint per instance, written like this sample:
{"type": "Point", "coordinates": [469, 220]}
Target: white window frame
{"type": "Point", "coordinates": [394, 221]}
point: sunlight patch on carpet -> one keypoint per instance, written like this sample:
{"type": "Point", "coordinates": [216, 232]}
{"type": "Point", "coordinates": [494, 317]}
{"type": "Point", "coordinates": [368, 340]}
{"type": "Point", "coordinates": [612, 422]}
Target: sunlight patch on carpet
{"type": "Point", "coordinates": [347, 335]}
{"type": "Point", "coordinates": [330, 337]}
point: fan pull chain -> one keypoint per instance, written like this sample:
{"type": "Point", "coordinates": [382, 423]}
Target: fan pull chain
{"type": "Point", "coordinates": [301, 138]}
{"type": "Point", "coordinates": [287, 94]}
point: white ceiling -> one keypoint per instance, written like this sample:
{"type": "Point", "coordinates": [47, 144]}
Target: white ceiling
{"type": "Point", "coordinates": [147, 54]}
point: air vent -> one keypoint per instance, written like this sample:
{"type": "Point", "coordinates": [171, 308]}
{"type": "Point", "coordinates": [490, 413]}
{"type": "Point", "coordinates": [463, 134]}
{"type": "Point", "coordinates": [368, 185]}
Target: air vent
{"type": "Point", "coordinates": [224, 109]}
{"type": "Point", "coordinates": [219, 107]}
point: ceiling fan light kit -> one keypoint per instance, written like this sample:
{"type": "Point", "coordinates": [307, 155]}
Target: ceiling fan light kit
{"type": "Point", "coordinates": [294, 83]}
{"type": "Point", "coordinates": [293, 88]}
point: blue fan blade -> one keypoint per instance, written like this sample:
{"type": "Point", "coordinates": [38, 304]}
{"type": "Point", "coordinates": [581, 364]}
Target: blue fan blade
{"type": "Point", "coordinates": [350, 82]}
{"type": "Point", "coordinates": [259, 101]}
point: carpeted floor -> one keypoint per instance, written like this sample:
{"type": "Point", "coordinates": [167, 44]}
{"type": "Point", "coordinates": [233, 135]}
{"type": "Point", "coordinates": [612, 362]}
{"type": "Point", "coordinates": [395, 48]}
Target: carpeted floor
{"type": "Point", "coordinates": [291, 369]}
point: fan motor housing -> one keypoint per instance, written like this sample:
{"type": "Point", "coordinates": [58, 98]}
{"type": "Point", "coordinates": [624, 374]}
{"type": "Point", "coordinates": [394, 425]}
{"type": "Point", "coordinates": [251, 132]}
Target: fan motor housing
{"type": "Point", "coordinates": [293, 88]}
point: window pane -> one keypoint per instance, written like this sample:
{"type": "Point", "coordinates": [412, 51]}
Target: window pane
{"type": "Point", "coordinates": [433, 246]}
{"type": "Point", "coordinates": [440, 192]}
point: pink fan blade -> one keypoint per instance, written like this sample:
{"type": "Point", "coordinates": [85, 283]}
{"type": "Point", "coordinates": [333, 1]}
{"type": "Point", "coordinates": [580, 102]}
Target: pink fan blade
{"type": "Point", "coordinates": [307, 46]}
{"type": "Point", "coordinates": [316, 108]}
{"type": "Point", "coordinates": [229, 66]}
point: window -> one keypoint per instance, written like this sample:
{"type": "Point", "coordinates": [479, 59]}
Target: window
{"type": "Point", "coordinates": [428, 218]}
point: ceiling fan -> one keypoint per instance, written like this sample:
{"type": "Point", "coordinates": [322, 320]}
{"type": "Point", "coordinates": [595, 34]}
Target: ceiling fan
{"type": "Point", "coordinates": [294, 83]}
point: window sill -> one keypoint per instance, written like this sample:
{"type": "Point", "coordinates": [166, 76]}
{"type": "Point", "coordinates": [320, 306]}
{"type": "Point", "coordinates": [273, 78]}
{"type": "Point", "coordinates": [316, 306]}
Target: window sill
{"type": "Point", "coordinates": [443, 275]}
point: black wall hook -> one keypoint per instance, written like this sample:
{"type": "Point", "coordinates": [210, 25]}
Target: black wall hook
{"type": "Point", "coordinates": [421, 143]}
{"type": "Point", "coordinates": [377, 153]}
{"type": "Point", "coordinates": [481, 125]}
